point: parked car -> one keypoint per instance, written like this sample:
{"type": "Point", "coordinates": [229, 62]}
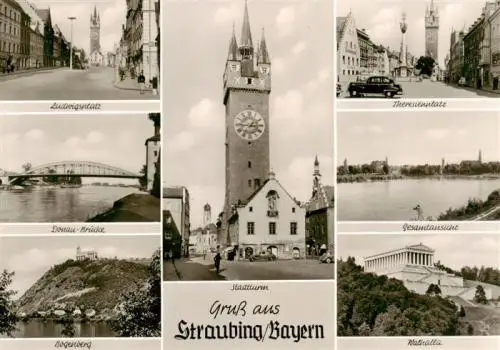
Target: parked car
{"type": "Point", "coordinates": [326, 258]}
{"type": "Point", "coordinates": [375, 85]}
{"type": "Point", "coordinates": [263, 256]}
{"type": "Point", "coordinates": [462, 81]}
{"type": "Point", "coordinates": [339, 89]}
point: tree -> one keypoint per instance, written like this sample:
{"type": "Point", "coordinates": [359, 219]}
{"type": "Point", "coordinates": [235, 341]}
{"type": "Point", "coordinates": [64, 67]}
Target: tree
{"type": "Point", "coordinates": [27, 167]}
{"type": "Point", "coordinates": [364, 330]}
{"type": "Point", "coordinates": [462, 311]}
{"type": "Point", "coordinates": [433, 290]}
{"type": "Point", "coordinates": [480, 296]}
{"type": "Point", "coordinates": [8, 317]}
{"type": "Point", "coordinates": [155, 118]}
{"type": "Point", "coordinates": [385, 169]}
{"type": "Point", "coordinates": [425, 64]}
{"type": "Point", "coordinates": [140, 311]}
{"type": "Point", "coordinates": [69, 329]}
{"type": "Point", "coordinates": [143, 180]}
{"type": "Point", "coordinates": [156, 190]}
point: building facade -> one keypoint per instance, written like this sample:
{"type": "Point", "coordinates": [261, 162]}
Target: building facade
{"type": "Point", "coordinates": [24, 50]}
{"type": "Point", "coordinates": [149, 60]}
{"type": "Point", "coordinates": [82, 255]}
{"type": "Point", "coordinates": [493, 24]}
{"type": "Point", "coordinates": [472, 53]}
{"type": "Point", "coordinates": [36, 37]}
{"type": "Point", "coordinates": [456, 60]}
{"type": "Point", "coordinates": [432, 31]}
{"type": "Point", "coordinates": [10, 34]}
{"type": "Point", "coordinates": [348, 50]}
{"type": "Point", "coordinates": [153, 145]}
{"type": "Point", "coordinates": [176, 201]}
{"type": "Point", "coordinates": [414, 265]}
{"type": "Point", "coordinates": [172, 240]}
{"type": "Point", "coordinates": [320, 215]}
{"type": "Point", "coordinates": [96, 58]}
{"type": "Point", "coordinates": [270, 221]}
{"type": "Point", "coordinates": [247, 85]}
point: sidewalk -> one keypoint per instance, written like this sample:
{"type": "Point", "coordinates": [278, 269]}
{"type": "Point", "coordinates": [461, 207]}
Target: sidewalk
{"type": "Point", "coordinates": [472, 88]}
{"type": "Point", "coordinates": [31, 71]}
{"type": "Point", "coordinates": [169, 271]}
{"type": "Point", "coordinates": [130, 84]}
{"type": "Point", "coordinates": [188, 270]}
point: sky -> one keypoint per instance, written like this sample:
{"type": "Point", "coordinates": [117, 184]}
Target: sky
{"type": "Point", "coordinates": [115, 140]}
{"type": "Point", "coordinates": [301, 121]}
{"type": "Point", "coordinates": [381, 20]}
{"type": "Point", "coordinates": [30, 257]}
{"type": "Point", "coordinates": [417, 137]}
{"type": "Point", "coordinates": [112, 13]}
{"type": "Point", "coordinates": [453, 250]}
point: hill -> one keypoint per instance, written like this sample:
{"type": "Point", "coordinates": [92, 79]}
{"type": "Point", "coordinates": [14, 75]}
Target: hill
{"type": "Point", "coordinates": [370, 305]}
{"type": "Point", "coordinates": [87, 284]}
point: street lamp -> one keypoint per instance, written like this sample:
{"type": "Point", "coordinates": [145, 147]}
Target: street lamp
{"type": "Point", "coordinates": [71, 44]}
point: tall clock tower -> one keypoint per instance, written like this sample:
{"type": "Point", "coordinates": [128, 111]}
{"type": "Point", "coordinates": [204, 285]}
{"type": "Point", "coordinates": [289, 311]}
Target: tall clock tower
{"type": "Point", "coordinates": [246, 89]}
{"type": "Point", "coordinates": [431, 31]}
{"type": "Point", "coordinates": [95, 32]}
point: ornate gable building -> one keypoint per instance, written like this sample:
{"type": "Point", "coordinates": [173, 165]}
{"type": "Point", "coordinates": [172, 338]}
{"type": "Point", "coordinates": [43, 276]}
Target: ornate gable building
{"type": "Point", "coordinates": [320, 215]}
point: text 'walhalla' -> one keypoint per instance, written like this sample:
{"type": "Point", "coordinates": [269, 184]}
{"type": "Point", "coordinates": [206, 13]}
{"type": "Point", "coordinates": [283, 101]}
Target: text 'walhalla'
{"type": "Point", "coordinates": [272, 331]}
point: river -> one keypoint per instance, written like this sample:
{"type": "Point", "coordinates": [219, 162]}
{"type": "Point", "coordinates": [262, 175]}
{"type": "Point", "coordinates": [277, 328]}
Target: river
{"type": "Point", "coordinates": [49, 329]}
{"type": "Point", "coordinates": [394, 200]}
{"type": "Point", "coordinates": [41, 204]}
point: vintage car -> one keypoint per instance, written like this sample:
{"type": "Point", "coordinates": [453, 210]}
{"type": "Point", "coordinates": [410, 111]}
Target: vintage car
{"type": "Point", "coordinates": [375, 85]}
{"type": "Point", "coordinates": [326, 258]}
{"type": "Point", "coordinates": [462, 81]}
{"type": "Point", "coordinates": [263, 256]}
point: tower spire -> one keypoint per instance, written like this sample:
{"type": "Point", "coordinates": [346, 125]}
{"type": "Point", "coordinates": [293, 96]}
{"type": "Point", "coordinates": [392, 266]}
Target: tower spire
{"type": "Point", "coordinates": [233, 47]}
{"type": "Point", "coordinates": [246, 34]}
{"type": "Point", "coordinates": [263, 56]}
{"type": "Point", "coordinates": [316, 166]}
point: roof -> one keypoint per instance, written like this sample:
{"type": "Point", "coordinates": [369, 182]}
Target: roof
{"type": "Point", "coordinates": [173, 192]}
{"type": "Point", "coordinates": [324, 198]}
{"type": "Point", "coordinates": [153, 138]}
{"type": "Point", "coordinates": [44, 14]}
{"type": "Point", "coordinates": [420, 246]}
{"type": "Point", "coordinates": [340, 26]}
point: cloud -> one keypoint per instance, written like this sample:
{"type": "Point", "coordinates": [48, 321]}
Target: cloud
{"type": "Point", "coordinates": [373, 129]}
{"type": "Point", "coordinates": [289, 106]}
{"type": "Point", "coordinates": [285, 19]}
{"type": "Point", "coordinates": [181, 142]}
{"type": "Point", "coordinates": [225, 14]}
{"type": "Point", "coordinates": [73, 142]}
{"type": "Point", "coordinates": [34, 134]}
{"type": "Point", "coordinates": [437, 134]}
{"type": "Point", "coordinates": [278, 65]}
{"type": "Point", "coordinates": [299, 47]}
{"type": "Point", "coordinates": [94, 137]}
{"type": "Point", "coordinates": [203, 113]}
{"type": "Point", "coordinates": [322, 77]}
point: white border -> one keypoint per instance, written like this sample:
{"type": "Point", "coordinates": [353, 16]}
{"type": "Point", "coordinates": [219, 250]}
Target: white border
{"type": "Point", "coordinates": [374, 227]}
{"type": "Point", "coordinates": [114, 228]}
{"type": "Point", "coordinates": [106, 106]}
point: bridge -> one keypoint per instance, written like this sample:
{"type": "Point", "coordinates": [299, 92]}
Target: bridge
{"type": "Point", "coordinates": [74, 169]}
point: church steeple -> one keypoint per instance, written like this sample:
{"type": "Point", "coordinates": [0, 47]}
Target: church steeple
{"type": "Point", "coordinates": [263, 55]}
{"type": "Point", "coordinates": [233, 48]}
{"type": "Point", "coordinates": [316, 166]}
{"type": "Point", "coordinates": [246, 34]}
{"type": "Point", "coordinates": [480, 157]}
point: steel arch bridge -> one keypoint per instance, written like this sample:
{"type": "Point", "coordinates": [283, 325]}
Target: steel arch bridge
{"type": "Point", "coordinates": [75, 169]}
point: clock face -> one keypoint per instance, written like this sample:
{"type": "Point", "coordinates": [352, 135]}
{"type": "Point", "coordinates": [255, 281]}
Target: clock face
{"type": "Point", "coordinates": [95, 35]}
{"type": "Point", "coordinates": [249, 125]}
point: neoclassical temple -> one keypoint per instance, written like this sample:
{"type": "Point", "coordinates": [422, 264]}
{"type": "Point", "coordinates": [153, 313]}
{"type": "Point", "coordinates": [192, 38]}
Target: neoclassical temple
{"type": "Point", "coordinates": [414, 266]}
{"type": "Point", "coordinates": [409, 255]}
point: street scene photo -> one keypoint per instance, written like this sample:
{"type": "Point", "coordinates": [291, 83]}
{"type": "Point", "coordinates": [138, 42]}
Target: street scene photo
{"type": "Point", "coordinates": [80, 286]}
{"type": "Point", "coordinates": [421, 166]}
{"type": "Point", "coordinates": [247, 192]}
{"type": "Point", "coordinates": [93, 168]}
{"type": "Point", "coordinates": [418, 49]}
{"type": "Point", "coordinates": [418, 285]}
{"type": "Point", "coordinates": [79, 50]}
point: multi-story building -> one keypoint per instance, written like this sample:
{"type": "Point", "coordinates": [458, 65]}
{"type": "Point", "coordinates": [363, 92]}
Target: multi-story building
{"type": "Point", "coordinates": [48, 37]}
{"type": "Point", "coordinates": [491, 43]}
{"type": "Point", "coordinates": [132, 34]}
{"type": "Point", "coordinates": [176, 201]}
{"type": "Point", "coordinates": [36, 39]}
{"type": "Point", "coordinates": [57, 43]}
{"type": "Point", "coordinates": [153, 145]}
{"type": "Point", "coordinates": [82, 255]}
{"type": "Point", "coordinates": [456, 60]}
{"type": "Point", "coordinates": [24, 50]}
{"type": "Point", "coordinates": [348, 50]}
{"type": "Point", "coordinates": [172, 240]}
{"type": "Point", "coordinates": [10, 34]}
{"type": "Point", "coordinates": [365, 50]}
{"type": "Point", "coordinates": [472, 53]}
{"type": "Point", "coordinates": [320, 215]}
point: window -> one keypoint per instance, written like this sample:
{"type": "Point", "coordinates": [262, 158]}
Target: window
{"type": "Point", "coordinates": [293, 210]}
{"type": "Point", "coordinates": [249, 164]}
{"type": "Point", "coordinates": [156, 153]}
{"type": "Point", "coordinates": [272, 228]}
{"type": "Point", "coordinates": [249, 81]}
{"type": "Point", "coordinates": [257, 183]}
{"type": "Point", "coordinates": [250, 228]}
{"type": "Point", "coordinates": [249, 183]}
{"type": "Point", "coordinates": [250, 209]}
{"type": "Point", "coordinates": [293, 228]}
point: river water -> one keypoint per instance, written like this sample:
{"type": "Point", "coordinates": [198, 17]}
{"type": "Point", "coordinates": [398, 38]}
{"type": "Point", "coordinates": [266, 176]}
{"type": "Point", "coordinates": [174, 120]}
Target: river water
{"type": "Point", "coordinates": [49, 329]}
{"type": "Point", "coordinates": [394, 200]}
{"type": "Point", "coordinates": [58, 204]}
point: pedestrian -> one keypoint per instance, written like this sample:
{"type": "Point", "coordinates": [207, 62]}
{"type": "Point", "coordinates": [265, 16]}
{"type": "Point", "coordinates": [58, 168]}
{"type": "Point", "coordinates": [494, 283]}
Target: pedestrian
{"type": "Point", "coordinates": [217, 259]}
{"type": "Point", "coordinates": [141, 80]}
{"type": "Point", "coordinates": [154, 85]}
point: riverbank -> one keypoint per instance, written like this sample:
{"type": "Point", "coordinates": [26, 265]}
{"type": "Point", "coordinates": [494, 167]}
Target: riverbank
{"type": "Point", "coordinates": [475, 209]}
{"type": "Point", "coordinates": [383, 177]}
{"type": "Point", "coordinates": [136, 207]}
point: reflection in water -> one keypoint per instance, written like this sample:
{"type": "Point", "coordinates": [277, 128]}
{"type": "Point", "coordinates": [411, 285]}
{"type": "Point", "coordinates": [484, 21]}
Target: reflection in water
{"type": "Point", "coordinates": [50, 329]}
{"type": "Point", "coordinates": [395, 200]}
{"type": "Point", "coordinates": [58, 204]}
